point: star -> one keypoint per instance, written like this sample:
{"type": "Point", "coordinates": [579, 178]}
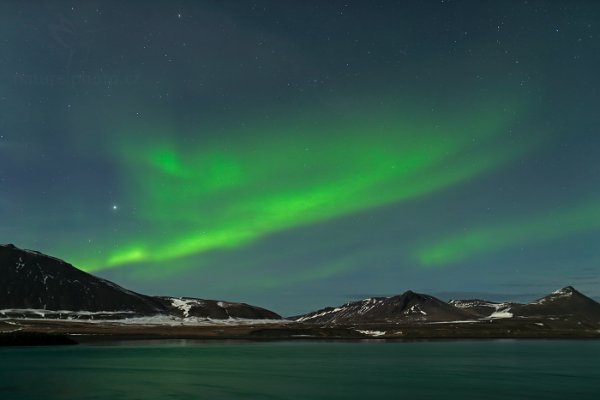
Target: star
{"type": "Point", "coordinates": [115, 207]}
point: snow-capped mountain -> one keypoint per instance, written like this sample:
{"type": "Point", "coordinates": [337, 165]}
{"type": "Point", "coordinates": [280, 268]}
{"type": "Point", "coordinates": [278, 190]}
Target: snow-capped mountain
{"type": "Point", "coordinates": [565, 303]}
{"type": "Point", "coordinates": [415, 308]}
{"type": "Point", "coordinates": [483, 308]}
{"type": "Point", "coordinates": [35, 285]}
{"type": "Point", "coordinates": [407, 307]}
{"type": "Point", "coordinates": [188, 307]}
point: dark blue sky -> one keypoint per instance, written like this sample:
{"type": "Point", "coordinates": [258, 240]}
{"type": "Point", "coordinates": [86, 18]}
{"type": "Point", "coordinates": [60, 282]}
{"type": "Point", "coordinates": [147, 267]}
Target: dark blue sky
{"type": "Point", "coordinates": [301, 154]}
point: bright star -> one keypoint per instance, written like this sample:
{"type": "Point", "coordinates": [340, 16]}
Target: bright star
{"type": "Point", "coordinates": [114, 207]}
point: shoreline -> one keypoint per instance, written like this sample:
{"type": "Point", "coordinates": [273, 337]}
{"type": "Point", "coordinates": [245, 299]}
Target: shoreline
{"type": "Point", "coordinates": [62, 332]}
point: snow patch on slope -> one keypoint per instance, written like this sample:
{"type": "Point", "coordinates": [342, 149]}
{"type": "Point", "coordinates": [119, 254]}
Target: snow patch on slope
{"type": "Point", "coordinates": [557, 294]}
{"type": "Point", "coordinates": [371, 333]}
{"type": "Point", "coordinates": [500, 314]}
{"type": "Point", "coordinates": [415, 309]}
{"type": "Point", "coordinates": [323, 313]}
{"type": "Point", "coordinates": [168, 320]}
{"type": "Point", "coordinates": [185, 305]}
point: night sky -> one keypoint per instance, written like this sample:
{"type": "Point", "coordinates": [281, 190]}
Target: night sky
{"type": "Point", "coordinates": [298, 154]}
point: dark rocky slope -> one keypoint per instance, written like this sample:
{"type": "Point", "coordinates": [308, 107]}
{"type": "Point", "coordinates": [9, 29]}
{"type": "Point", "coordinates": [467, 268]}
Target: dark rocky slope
{"type": "Point", "coordinates": [566, 303]}
{"type": "Point", "coordinates": [31, 280]}
{"type": "Point", "coordinates": [405, 308]}
{"type": "Point", "coordinates": [35, 285]}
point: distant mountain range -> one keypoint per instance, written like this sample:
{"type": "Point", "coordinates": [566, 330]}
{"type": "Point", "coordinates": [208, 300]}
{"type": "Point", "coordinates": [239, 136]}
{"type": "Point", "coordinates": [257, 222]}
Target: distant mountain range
{"type": "Point", "coordinates": [35, 285]}
{"type": "Point", "coordinates": [566, 304]}
{"type": "Point", "coordinates": [42, 295]}
{"type": "Point", "coordinates": [407, 307]}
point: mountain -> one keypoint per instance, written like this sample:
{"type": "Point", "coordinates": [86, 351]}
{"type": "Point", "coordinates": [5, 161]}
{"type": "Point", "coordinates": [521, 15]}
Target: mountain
{"type": "Point", "coordinates": [189, 307]}
{"type": "Point", "coordinates": [35, 285]}
{"type": "Point", "coordinates": [565, 303]}
{"type": "Point", "coordinates": [31, 280]}
{"type": "Point", "coordinates": [483, 308]}
{"type": "Point", "coordinates": [404, 308]}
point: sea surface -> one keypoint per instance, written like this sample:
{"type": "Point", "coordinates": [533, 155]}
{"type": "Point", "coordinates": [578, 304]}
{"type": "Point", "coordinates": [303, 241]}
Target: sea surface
{"type": "Point", "coordinates": [499, 369]}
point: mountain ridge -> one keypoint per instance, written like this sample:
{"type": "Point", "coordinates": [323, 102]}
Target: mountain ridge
{"type": "Point", "coordinates": [406, 307]}
{"type": "Point", "coordinates": [36, 285]}
{"type": "Point", "coordinates": [566, 303]}
{"type": "Point", "coordinates": [40, 287]}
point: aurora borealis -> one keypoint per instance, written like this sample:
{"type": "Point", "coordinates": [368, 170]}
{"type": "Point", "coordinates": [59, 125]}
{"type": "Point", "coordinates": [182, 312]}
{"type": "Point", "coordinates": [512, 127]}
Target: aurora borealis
{"type": "Point", "coordinates": [296, 154]}
{"type": "Point", "coordinates": [234, 193]}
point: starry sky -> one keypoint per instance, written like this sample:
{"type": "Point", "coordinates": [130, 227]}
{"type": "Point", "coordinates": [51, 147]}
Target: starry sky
{"type": "Point", "coordinates": [298, 154]}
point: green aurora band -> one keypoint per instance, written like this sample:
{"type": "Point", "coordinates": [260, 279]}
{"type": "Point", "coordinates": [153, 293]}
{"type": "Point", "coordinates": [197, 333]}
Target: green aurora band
{"type": "Point", "coordinates": [226, 193]}
{"type": "Point", "coordinates": [547, 226]}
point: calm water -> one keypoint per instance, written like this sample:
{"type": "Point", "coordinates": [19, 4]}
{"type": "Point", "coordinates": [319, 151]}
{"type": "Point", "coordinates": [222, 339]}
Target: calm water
{"type": "Point", "coordinates": [418, 370]}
